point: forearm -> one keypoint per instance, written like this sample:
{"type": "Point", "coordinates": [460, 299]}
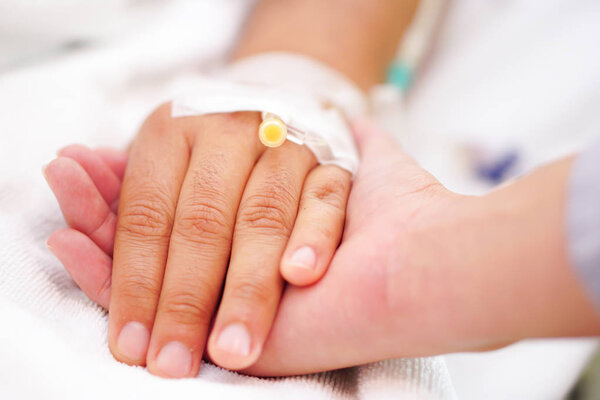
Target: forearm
{"type": "Point", "coordinates": [514, 247]}
{"type": "Point", "coordinates": [356, 37]}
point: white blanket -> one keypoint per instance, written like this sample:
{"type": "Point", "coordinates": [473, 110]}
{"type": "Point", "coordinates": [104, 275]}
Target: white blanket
{"type": "Point", "coordinates": [53, 339]}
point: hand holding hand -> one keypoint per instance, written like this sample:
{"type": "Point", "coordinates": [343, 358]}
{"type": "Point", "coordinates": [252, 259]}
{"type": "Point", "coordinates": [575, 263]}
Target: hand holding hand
{"type": "Point", "coordinates": [348, 317]}
{"type": "Point", "coordinates": [424, 271]}
{"type": "Point", "coordinates": [420, 271]}
{"type": "Point", "coordinates": [202, 201]}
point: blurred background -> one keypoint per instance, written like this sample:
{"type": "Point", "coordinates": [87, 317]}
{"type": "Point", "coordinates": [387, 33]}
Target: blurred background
{"type": "Point", "coordinates": [507, 85]}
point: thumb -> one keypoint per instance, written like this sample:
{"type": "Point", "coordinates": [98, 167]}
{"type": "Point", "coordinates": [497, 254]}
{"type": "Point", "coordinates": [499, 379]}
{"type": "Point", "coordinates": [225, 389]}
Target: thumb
{"type": "Point", "coordinates": [380, 153]}
{"type": "Point", "coordinates": [372, 141]}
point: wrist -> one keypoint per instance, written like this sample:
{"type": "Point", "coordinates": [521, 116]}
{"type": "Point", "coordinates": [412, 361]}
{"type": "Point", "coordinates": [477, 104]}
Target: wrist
{"type": "Point", "coordinates": [511, 246]}
{"type": "Point", "coordinates": [491, 270]}
{"type": "Point", "coordinates": [458, 241]}
{"type": "Point", "coordinates": [548, 299]}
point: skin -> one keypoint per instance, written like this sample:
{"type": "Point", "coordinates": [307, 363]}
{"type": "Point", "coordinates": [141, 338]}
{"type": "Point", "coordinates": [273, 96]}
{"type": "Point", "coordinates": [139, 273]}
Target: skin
{"type": "Point", "coordinates": [420, 270]}
{"type": "Point", "coordinates": [194, 233]}
{"type": "Point", "coordinates": [206, 216]}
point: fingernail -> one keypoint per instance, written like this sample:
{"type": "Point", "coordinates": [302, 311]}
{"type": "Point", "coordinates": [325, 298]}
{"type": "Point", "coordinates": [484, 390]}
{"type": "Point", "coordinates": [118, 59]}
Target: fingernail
{"type": "Point", "coordinates": [174, 360]}
{"type": "Point", "coordinates": [304, 257]}
{"type": "Point", "coordinates": [133, 341]}
{"type": "Point", "coordinates": [44, 168]}
{"type": "Point", "coordinates": [48, 244]}
{"type": "Point", "coordinates": [235, 339]}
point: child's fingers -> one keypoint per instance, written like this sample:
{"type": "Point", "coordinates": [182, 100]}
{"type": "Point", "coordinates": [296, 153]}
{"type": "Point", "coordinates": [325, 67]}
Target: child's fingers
{"type": "Point", "coordinates": [107, 182]}
{"type": "Point", "coordinates": [82, 205]}
{"type": "Point", "coordinates": [319, 225]}
{"type": "Point", "coordinates": [115, 159]}
{"type": "Point", "coordinates": [88, 265]}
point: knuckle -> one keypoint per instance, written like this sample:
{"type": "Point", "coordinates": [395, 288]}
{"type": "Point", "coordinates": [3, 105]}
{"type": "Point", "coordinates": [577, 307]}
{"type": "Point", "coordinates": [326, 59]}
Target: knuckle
{"type": "Point", "coordinates": [203, 221]}
{"type": "Point", "coordinates": [326, 232]}
{"type": "Point", "coordinates": [204, 216]}
{"type": "Point", "coordinates": [188, 308]}
{"type": "Point", "coordinates": [272, 208]}
{"type": "Point", "coordinates": [250, 290]}
{"type": "Point", "coordinates": [136, 287]}
{"type": "Point", "coordinates": [265, 213]}
{"type": "Point", "coordinates": [145, 216]}
{"type": "Point", "coordinates": [332, 191]}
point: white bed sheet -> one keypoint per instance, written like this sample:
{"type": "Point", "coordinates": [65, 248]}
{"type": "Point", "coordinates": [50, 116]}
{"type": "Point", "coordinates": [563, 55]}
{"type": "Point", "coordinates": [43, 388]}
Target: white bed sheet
{"type": "Point", "coordinates": [504, 74]}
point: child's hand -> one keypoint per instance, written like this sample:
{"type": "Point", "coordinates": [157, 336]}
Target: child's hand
{"type": "Point", "coordinates": [200, 197]}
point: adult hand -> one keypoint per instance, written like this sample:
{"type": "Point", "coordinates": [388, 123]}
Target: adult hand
{"type": "Point", "coordinates": [424, 271]}
{"type": "Point", "coordinates": [201, 198]}
{"type": "Point", "coordinates": [420, 271]}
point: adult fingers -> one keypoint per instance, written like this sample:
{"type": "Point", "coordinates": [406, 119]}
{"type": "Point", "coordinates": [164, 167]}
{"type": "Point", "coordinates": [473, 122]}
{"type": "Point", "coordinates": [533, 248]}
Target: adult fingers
{"type": "Point", "coordinates": [82, 205]}
{"type": "Point", "coordinates": [201, 241]}
{"type": "Point", "coordinates": [253, 286]}
{"type": "Point", "coordinates": [157, 166]}
{"type": "Point", "coordinates": [319, 225]}
{"type": "Point", "coordinates": [88, 265]}
{"type": "Point", "coordinates": [340, 321]}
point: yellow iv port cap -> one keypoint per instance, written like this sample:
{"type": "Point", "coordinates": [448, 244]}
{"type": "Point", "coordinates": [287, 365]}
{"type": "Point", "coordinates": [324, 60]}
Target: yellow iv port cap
{"type": "Point", "coordinates": [272, 132]}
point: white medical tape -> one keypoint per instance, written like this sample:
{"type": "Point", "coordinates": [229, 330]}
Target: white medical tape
{"type": "Point", "coordinates": [327, 134]}
{"type": "Point", "coordinates": [303, 93]}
